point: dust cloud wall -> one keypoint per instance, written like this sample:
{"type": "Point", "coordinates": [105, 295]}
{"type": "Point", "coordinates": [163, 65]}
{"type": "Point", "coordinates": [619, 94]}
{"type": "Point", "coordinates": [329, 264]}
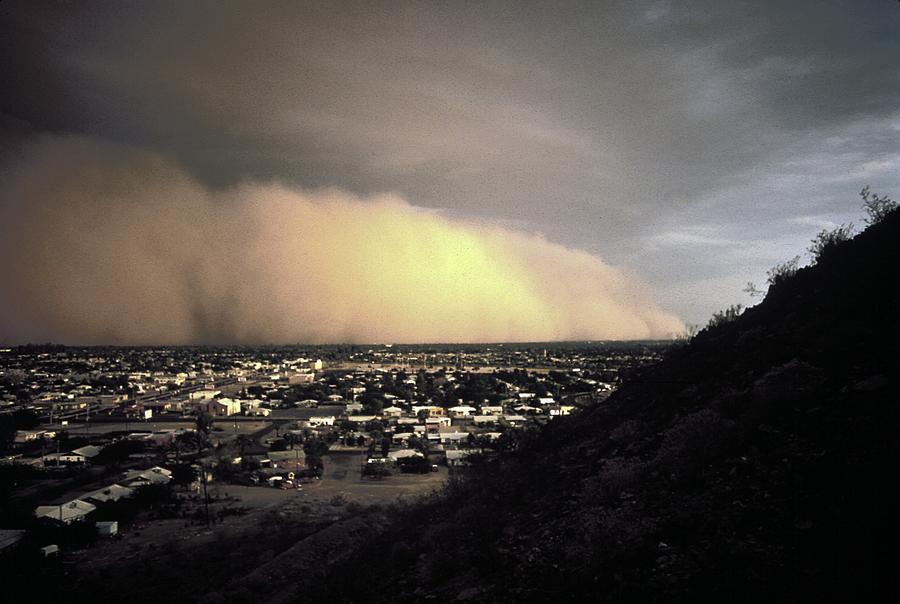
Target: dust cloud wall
{"type": "Point", "coordinates": [101, 244]}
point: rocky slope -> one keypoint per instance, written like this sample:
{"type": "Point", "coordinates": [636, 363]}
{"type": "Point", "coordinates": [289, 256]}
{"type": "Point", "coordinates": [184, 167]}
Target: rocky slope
{"type": "Point", "coordinates": [756, 463]}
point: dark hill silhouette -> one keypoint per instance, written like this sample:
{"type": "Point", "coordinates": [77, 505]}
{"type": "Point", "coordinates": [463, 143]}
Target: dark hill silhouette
{"type": "Point", "coordinates": [755, 464]}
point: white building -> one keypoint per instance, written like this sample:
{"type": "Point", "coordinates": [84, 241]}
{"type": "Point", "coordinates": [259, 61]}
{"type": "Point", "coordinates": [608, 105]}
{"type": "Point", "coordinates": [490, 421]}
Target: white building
{"type": "Point", "coordinates": [66, 513]}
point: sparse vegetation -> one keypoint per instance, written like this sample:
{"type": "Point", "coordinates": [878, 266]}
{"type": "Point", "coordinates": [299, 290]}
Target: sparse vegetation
{"type": "Point", "coordinates": [877, 206]}
{"type": "Point", "coordinates": [783, 271]}
{"type": "Point", "coordinates": [728, 315]}
{"type": "Point", "coordinates": [827, 240]}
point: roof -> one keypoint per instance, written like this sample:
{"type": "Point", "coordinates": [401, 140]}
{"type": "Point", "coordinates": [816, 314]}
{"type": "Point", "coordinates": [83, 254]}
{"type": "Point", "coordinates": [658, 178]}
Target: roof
{"type": "Point", "coordinates": [403, 453]}
{"type": "Point", "coordinates": [8, 538]}
{"type": "Point", "coordinates": [155, 475]}
{"type": "Point", "coordinates": [113, 492]}
{"type": "Point", "coordinates": [88, 451]}
{"type": "Point", "coordinates": [66, 512]}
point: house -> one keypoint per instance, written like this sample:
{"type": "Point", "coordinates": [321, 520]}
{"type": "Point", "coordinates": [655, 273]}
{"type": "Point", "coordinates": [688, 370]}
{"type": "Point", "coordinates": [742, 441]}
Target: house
{"type": "Point", "coordinates": [491, 410]}
{"type": "Point", "coordinates": [361, 419]}
{"type": "Point", "coordinates": [139, 478]}
{"type": "Point", "coordinates": [301, 378]}
{"type": "Point", "coordinates": [320, 420]}
{"type": "Point", "coordinates": [204, 394]}
{"type": "Point", "coordinates": [433, 424]}
{"type": "Point", "coordinates": [546, 400]}
{"type": "Point", "coordinates": [427, 409]}
{"type": "Point", "coordinates": [88, 451]}
{"type": "Point", "coordinates": [528, 409]}
{"type": "Point", "coordinates": [354, 407]}
{"type": "Point", "coordinates": [108, 494]}
{"type": "Point", "coordinates": [454, 438]}
{"type": "Point", "coordinates": [64, 459]}
{"type": "Point", "coordinates": [259, 412]}
{"type": "Point", "coordinates": [392, 411]}
{"type": "Point", "coordinates": [461, 411]}
{"type": "Point", "coordinates": [481, 420]}
{"type": "Point", "coordinates": [28, 436]}
{"type": "Point", "coordinates": [223, 407]}
{"type": "Point", "coordinates": [65, 513]}
{"type": "Point", "coordinates": [289, 458]}
{"type": "Point", "coordinates": [403, 454]}
{"type": "Point", "coordinates": [558, 410]}
{"type": "Point", "coordinates": [458, 458]}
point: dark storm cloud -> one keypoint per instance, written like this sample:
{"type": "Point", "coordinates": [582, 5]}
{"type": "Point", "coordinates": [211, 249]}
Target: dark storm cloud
{"type": "Point", "coordinates": [623, 128]}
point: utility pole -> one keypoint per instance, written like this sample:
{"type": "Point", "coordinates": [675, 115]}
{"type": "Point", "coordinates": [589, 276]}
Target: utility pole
{"type": "Point", "coordinates": [205, 495]}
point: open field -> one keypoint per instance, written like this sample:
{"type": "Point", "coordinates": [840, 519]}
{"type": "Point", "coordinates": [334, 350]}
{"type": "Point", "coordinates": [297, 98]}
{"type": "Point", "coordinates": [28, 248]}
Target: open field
{"type": "Point", "coordinates": [228, 427]}
{"type": "Point", "coordinates": [242, 514]}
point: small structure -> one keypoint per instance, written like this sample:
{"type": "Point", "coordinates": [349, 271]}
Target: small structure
{"type": "Point", "coordinates": [50, 550]}
{"type": "Point", "coordinates": [107, 528]}
{"type": "Point", "coordinates": [9, 539]}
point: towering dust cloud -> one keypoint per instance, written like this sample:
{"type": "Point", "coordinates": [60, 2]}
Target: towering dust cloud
{"type": "Point", "coordinates": [101, 244]}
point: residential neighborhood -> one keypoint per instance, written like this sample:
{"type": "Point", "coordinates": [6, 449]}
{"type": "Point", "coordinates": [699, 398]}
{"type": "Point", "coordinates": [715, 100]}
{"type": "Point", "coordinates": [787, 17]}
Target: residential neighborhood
{"type": "Point", "coordinates": [99, 441]}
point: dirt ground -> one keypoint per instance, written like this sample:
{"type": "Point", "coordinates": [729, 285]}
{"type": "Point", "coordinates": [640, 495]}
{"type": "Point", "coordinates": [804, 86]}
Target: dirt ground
{"type": "Point", "coordinates": [327, 500]}
{"type": "Point", "coordinates": [228, 428]}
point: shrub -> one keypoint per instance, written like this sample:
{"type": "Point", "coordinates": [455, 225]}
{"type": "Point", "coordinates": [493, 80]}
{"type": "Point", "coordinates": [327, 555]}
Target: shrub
{"type": "Point", "coordinates": [784, 271]}
{"type": "Point", "coordinates": [877, 207]}
{"type": "Point", "coordinates": [725, 316]}
{"type": "Point", "coordinates": [827, 240]}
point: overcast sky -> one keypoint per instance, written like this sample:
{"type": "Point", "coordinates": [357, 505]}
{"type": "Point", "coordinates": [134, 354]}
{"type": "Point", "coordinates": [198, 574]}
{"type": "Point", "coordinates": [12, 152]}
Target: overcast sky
{"type": "Point", "coordinates": [692, 144]}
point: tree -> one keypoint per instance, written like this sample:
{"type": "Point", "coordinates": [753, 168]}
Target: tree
{"type": "Point", "coordinates": [204, 423]}
{"type": "Point", "coordinates": [877, 207]}
{"type": "Point", "coordinates": [291, 439]}
{"type": "Point", "coordinates": [183, 474]}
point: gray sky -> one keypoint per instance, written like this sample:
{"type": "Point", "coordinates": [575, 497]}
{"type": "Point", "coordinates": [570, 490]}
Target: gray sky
{"type": "Point", "coordinates": [695, 144]}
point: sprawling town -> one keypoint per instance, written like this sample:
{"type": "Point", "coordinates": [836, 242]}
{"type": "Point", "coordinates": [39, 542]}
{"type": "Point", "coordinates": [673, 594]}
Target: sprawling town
{"type": "Point", "coordinates": [109, 448]}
